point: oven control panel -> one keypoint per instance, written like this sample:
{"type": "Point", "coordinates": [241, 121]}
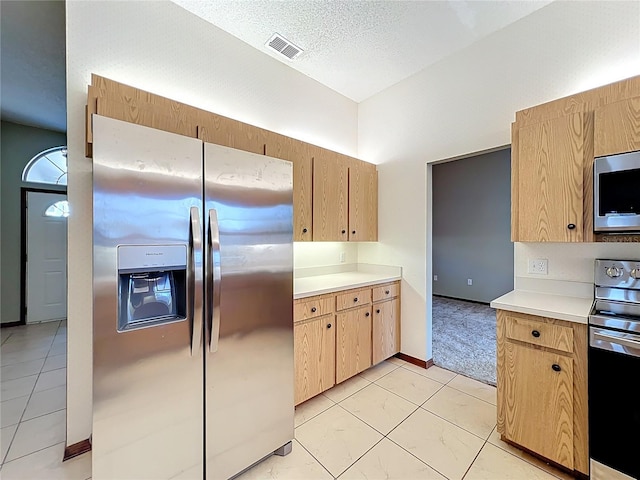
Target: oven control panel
{"type": "Point", "coordinates": [617, 273]}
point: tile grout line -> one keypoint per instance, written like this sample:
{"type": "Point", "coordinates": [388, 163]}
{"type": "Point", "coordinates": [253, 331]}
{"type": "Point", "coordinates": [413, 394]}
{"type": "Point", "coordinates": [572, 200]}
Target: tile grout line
{"type": "Point", "coordinates": [314, 457]}
{"type": "Point", "coordinates": [31, 453]}
{"type": "Point", "coordinates": [2, 461]}
{"type": "Point", "coordinates": [418, 404]}
{"type": "Point", "coordinates": [518, 457]}
{"type": "Point", "coordinates": [455, 425]}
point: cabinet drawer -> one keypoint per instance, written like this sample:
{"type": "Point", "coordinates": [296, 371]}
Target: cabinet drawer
{"type": "Point", "coordinates": [385, 291]}
{"type": "Point", "coordinates": [353, 298]}
{"type": "Point", "coordinates": [543, 334]}
{"type": "Point", "coordinates": [312, 307]}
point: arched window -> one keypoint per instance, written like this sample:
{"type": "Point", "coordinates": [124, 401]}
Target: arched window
{"type": "Point", "coordinates": [49, 166]}
{"type": "Point", "coordinates": [58, 209]}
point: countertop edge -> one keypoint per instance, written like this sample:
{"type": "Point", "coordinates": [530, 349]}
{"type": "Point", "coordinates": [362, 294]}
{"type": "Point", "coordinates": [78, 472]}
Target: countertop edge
{"type": "Point", "coordinates": [577, 309]}
{"type": "Point", "coordinates": [338, 288]}
{"type": "Point", "coordinates": [541, 313]}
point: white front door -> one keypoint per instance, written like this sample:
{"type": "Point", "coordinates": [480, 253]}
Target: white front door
{"type": "Point", "coordinates": [46, 259]}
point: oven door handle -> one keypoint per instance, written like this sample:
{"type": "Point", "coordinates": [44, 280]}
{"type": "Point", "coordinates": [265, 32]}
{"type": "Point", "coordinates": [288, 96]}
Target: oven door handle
{"type": "Point", "coordinates": [626, 343]}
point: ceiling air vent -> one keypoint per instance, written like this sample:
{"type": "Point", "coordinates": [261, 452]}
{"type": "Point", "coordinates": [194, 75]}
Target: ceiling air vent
{"type": "Point", "coordinates": [283, 46]}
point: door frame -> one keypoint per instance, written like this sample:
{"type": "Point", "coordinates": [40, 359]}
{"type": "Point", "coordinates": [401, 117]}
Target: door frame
{"type": "Point", "coordinates": [23, 247]}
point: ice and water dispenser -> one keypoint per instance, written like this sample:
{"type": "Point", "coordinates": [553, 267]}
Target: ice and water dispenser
{"type": "Point", "coordinates": [152, 287]}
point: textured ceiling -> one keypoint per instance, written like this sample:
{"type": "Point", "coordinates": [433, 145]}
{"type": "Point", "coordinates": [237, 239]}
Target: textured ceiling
{"type": "Point", "coordinates": [360, 47]}
{"type": "Point", "coordinates": [356, 47]}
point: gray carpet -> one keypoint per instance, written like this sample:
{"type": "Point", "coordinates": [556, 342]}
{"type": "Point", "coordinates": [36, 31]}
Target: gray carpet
{"type": "Point", "coordinates": [464, 338]}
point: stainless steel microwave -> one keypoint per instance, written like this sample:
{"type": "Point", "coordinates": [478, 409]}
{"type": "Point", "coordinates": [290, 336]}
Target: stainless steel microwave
{"type": "Point", "coordinates": [616, 193]}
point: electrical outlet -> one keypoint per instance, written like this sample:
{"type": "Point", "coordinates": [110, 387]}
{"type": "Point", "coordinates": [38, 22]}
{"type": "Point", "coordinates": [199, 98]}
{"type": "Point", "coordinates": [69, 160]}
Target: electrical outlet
{"type": "Point", "coordinates": [342, 257]}
{"type": "Point", "coordinates": [469, 281]}
{"type": "Point", "coordinates": [435, 278]}
{"type": "Point", "coordinates": [537, 266]}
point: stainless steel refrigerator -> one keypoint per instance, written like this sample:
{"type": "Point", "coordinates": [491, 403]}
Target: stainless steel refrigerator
{"type": "Point", "coordinates": [192, 306]}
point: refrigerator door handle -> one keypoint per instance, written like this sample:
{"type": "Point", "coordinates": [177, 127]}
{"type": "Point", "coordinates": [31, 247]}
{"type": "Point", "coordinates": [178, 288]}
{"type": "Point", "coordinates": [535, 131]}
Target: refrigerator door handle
{"type": "Point", "coordinates": [195, 283]}
{"type": "Point", "coordinates": [214, 236]}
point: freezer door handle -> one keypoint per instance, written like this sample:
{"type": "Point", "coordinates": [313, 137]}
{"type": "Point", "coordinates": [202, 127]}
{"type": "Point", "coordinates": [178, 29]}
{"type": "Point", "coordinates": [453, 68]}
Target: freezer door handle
{"type": "Point", "coordinates": [214, 265]}
{"type": "Point", "coordinates": [195, 283]}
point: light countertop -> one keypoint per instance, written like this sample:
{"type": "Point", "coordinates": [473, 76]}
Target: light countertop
{"type": "Point", "coordinates": [319, 284]}
{"type": "Point", "coordinates": [561, 307]}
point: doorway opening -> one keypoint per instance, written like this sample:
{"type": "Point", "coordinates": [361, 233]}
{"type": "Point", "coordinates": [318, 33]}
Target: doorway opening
{"type": "Point", "coordinates": [44, 212]}
{"type": "Point", "coordinates": [472, 260]}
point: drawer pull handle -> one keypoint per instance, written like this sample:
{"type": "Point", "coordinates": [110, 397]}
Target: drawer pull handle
{"type": "Point", "coordinates": [304, 230]}
{"type": "Point", "coordinates": [367, 314]}
{"type": "Point", "coordinates": [353, 232]}
{"type": "Point", "coordinates": [313, 309]}
{"type": "Point", "coordinates": [555, 367]}
{"type": "Point", "coordinates": [328, 325]}
{"type": "Point", "coordinates": [571, 226]}
{"type": "Point", "coordinates": [378, 310]}
{"type": "Point", "coordinates": [355, 299]}
{"type": "Point", "coordinates": [386, 292]}
{"type": "Point", "coordinates": [344, 231]}
{"type": "Point", "coordinates": [535, 333]}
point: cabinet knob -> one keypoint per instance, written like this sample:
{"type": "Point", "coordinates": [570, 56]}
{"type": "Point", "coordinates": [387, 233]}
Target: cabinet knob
{"type": "Point", "coordinates": [386, 292]}
{"type": "Point", "coordinates": [367, 314]}
{"type": "Point", "coordinates": [535, 333]}
{"type": "Point", "coordinates": [313, 309]}
{"type": "Point", "coordinates": [355, 299]}
{"type": "Point", "coordinates": [571, 226]}
{"type": "Point", "coordinates": [556, 367]}
{"type": "Point", "coordinates": [304, 230]}
{"type": "Point", "coordinates": [344, 231]}
{"type": "Point", "coordinates": [353, 232]}
{"type": "Point", "coordinates": [328, 325]}
{"type": "Point", "coordinates": [378, 310]}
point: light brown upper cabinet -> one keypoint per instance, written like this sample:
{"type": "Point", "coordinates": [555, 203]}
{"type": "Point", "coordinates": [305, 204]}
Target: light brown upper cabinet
{"type": "Point", "coordinates": [232, 133]}
{"type": "Point", "coordinates": [330, 196]}
{"type": "Point", "coordinates": [334, 196]}
{"type": "Point", "coordinates": [617, 127]}
{"type": "Point", "coordinates": [547, 166]}
{"type": "Point", "coordinates": [299, 153]}
{"type": "Point", "coordinates": [553, 146]}
{"type": "Point", "coordinates": [363, 201]}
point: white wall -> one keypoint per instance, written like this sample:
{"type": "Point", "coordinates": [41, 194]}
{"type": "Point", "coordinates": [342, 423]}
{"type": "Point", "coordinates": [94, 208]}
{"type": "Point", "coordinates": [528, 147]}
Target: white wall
{"type": "Point", "coordinates": [466, 103]}
{"type": "Point", "coordinates": [321, 254]}
{"type": "Point", "coordinates": [159, 47]}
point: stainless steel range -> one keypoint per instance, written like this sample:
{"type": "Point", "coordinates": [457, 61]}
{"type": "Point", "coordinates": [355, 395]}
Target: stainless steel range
{"type": "Point", "coordinates": [614, 371]}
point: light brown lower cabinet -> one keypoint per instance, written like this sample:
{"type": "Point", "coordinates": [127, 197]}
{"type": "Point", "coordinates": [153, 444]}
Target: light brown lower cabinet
{"type": "Point", "coordinates": [542, 387]}
{"type": "Point", "coordinates": [353, 342]}
{"type": "Point", "coordinates": [339, 335]}
{"type": "Point", "coordinates": [315, 346]}
{"type": "Point", "coordinates": [386, 329]}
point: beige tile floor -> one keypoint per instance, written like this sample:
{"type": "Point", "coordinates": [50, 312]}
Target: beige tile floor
{"type": "Point", "coordinates": [33, 362]}
{"type": "Point", "coordinates": [393, 421]}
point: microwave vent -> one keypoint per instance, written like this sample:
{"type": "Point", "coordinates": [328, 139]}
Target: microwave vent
{"type": "Point", "coordinates": [283, 46]}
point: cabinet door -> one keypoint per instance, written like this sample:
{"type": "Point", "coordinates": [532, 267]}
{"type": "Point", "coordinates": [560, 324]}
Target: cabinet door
{"type": "Point", "coordinates": [314, 345]}
{"type": "Point", "coordinates": [363, 202]}
{"type": "Point", "coordinates": [549, 181]}
{"type": "Point", "coordinates": [297, 152]}
{"type": "Point", "coordinates": [538, 403]}
{"type": "Point", "coordinates": [329, 197]}
{"type": "Point", "coordinates": [353, 347]}
{"type": "Point", "coordinates": [617, 127]}
{"type": "Point", "coordinates": [386, 330]}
